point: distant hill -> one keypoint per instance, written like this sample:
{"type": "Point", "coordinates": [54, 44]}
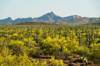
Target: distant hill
{"type": "Point", "coordinates": [21, 20]}
{"type": "Point", "coordinates": [51, 17]}
{"type": "Point", "coordinates": [6, 21]}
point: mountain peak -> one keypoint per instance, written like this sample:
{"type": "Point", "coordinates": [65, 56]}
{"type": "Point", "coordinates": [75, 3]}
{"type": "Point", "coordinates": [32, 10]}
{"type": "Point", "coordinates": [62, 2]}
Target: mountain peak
{"type": "Point", "coordinates": [8, 18]}
{"type": "Point", "coordinates": [51, 13]}
{"type": "Point", "coordinates": [50, 16]}
{"type": "Point", "coordinates": [76, 16]}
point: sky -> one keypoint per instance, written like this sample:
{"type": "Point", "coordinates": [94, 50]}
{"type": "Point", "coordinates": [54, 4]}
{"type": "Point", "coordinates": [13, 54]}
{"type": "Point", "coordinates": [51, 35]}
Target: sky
{"type": "Point", "coordinates": [36, 8]}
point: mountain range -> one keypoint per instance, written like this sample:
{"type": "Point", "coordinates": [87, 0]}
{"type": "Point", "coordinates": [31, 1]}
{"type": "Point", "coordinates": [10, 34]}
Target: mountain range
{"type": "Point", "coordinates": [51, 17]}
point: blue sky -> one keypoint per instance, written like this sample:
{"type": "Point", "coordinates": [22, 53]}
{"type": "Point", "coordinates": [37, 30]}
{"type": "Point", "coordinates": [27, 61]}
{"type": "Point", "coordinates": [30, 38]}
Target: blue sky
{"type": "Point", "coordinates": [36, 8]}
